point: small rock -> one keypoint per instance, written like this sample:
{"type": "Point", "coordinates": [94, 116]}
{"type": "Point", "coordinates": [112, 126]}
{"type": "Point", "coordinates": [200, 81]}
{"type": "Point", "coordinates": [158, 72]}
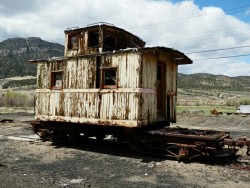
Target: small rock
{"type": "Point", "coordinates": [150, 165]}
{"type": "Point", "coordinates": [158, 164]}
{"type": "Point", "coordinates": [76, 181]}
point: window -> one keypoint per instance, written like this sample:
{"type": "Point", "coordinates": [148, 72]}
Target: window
{"type": "Point", "coordinates": [109, 78]}
{"type": "Point", "coordinates": [56, 80]}
{"type": "Point", "coordinates": [159, 72]}
{"type": "Point", "coordinates": [72, 42]}
{"type": "Point", "coordinates": [109, 40]}
{"type": "Point", "coordinates": [93, 38]}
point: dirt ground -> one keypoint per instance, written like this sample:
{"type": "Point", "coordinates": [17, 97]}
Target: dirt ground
{"type": "Point", "coordinates": [26, 161]}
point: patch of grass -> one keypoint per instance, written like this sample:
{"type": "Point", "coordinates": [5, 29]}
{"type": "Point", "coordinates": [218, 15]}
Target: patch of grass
{"type": "Point", "coordinates": [204, 109]}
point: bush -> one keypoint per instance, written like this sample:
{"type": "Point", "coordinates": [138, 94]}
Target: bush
{"type": "Point", "coordinates": [14, 99]}
{"type": "Point", "coordinates": [238, 102]}
{"type": "Point", "coordinates": [233, 102]}
{"type": "Point", "coordinates": [245, 102]}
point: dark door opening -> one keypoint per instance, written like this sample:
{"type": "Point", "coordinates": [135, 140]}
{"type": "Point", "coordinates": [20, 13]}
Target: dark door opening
{"type": "Point", "coordinates": [161, 90]}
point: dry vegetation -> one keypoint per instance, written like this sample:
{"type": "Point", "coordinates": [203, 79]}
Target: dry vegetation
{"type": "Point", "coordinates": [201, 100]}
{"type": "Point", "coordinates": [17, 99]}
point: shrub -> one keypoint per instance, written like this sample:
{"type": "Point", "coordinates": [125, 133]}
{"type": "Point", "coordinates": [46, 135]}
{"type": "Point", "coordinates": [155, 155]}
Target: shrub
{"type": "Point", "coordinates": [14, 99]}
{"type": "Point", "coordinates": [233, 102]}
{"type": "Point", "coordinates": [245, 102]}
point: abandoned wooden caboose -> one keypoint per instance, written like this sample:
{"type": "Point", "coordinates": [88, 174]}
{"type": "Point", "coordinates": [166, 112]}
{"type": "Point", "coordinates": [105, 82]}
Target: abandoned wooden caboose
{"type": "Point", "coordinates": [108, 77]}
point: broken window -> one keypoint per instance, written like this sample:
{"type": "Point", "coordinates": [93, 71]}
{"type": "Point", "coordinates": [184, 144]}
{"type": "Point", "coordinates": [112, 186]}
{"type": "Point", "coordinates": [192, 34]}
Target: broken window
{"type": "Point", "coordinates": [72, 42]}
{"type": "Point", "coordinates": [109, 41]}
{"type": "Point", "coordinates": [109, 78]}
{"type": "Point", "coordinates": [56, 80]}
{"type": "Point", "coordinates": [93, 38]}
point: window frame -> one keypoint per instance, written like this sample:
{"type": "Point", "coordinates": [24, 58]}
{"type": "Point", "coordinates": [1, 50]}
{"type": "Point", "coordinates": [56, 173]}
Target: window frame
{"type": "Point", "coordinates": [71, 45]}
{"type": "Point", "coordinates": [53, 80]}
{"type": "Point", "coordinates": [103, 81]}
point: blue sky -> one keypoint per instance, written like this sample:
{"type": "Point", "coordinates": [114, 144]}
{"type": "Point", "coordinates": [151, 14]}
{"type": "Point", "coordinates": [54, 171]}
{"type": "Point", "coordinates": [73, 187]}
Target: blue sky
{"type": "Point", "coordinates": [221, 27]}
{"type": "Point", "coordinates": [238, 8]}
{"type": "Point", "coordinates": [224, 4]}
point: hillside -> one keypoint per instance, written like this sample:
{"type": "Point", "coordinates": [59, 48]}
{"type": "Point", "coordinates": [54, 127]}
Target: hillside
{"type": "Point", "coordinates": [203, 81]}
{"type": "Point", "coordinates": [207, 89]}
{"type": "Point", "coordinates": [15, 53]}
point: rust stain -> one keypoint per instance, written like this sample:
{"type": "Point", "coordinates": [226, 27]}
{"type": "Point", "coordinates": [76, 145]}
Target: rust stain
{"type": "Point", "coordinates": [131, 101]}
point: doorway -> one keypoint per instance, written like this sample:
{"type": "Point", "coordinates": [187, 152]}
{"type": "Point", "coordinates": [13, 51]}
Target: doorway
{"type": "Point", "coordinates": [161, 90]}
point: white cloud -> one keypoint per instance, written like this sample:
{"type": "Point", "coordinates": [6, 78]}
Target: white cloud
{"type": "Point", "coordinates": [228, 67]}
{"type": "Point", "coordinates": [183, 26]}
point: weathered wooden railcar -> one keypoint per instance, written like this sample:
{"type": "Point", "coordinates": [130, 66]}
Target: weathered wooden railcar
{"type": "Point", "coordinates": [108, 77]}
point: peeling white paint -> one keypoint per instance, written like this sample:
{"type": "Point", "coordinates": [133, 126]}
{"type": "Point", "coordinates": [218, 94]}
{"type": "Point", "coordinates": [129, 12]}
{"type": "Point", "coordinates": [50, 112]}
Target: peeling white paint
{"type": "Point", "coordinates": [133, 99]}
{"type": "Point", "coordinates": [133, 103]}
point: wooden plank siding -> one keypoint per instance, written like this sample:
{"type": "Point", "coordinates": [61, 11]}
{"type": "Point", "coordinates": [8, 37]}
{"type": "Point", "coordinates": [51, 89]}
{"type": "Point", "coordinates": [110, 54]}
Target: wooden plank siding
{"type": "Point", "coordinates": [132, 104]}
{"type": "Point", "coordinates": [148, 80]}
{"type": "Point", "coordinates": [108, 77]}
{"type": "Point", "coordinates": [80, 101]}
{"type": "Point", "coordinates": [171, 89]}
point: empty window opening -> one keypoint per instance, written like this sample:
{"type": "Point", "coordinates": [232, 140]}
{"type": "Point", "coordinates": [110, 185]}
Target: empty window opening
{"type": "Point", "coordinates": [93, 38]}
{"type": "Point", "coordinates": [72, 42]}
{"type": "Point", "coordinates": [109, 78]}
{"type": "Point", "coordinates": [109, 42]}
{"type": "Point", "coordinates": [159, 72]}
{"type": "Point", "coordinates": [56, 80]}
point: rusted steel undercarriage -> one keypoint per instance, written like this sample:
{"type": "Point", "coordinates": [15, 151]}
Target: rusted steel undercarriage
{"type": "Point", "coordinates": [179, 143]}
{"type": "Point", "coordinates": [183, 143]}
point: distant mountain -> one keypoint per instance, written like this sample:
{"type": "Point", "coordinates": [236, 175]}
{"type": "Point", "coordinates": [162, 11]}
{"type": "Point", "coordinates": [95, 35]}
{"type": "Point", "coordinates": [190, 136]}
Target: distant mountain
{"type": "Point", "coordinates": [203, 81]}
{"type": "Point", "coordinates": [15, 53]}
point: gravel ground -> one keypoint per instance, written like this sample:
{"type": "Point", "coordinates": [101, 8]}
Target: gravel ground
{"type": "Point", "coordinates": [26, 161]}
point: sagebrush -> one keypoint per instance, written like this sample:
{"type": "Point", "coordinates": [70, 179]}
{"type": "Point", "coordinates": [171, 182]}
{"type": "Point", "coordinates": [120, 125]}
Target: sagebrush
{"type": "Point", "coordinates": [16, 99]}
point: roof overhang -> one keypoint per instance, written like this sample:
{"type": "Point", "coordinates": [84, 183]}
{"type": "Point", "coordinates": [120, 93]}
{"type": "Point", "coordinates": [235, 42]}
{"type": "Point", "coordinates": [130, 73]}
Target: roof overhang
{"type": "Point", "coordinates": [177, 56]}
